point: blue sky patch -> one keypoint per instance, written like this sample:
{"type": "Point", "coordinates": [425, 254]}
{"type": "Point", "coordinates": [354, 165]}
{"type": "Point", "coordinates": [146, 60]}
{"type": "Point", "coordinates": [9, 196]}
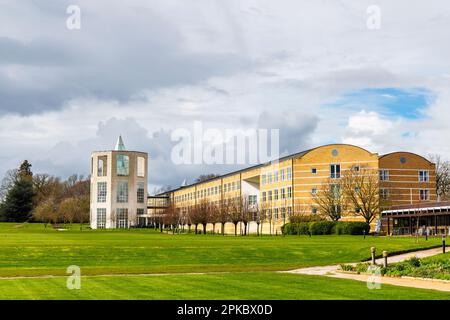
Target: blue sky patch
{"type": "Point", "coordinates": [391, 102]}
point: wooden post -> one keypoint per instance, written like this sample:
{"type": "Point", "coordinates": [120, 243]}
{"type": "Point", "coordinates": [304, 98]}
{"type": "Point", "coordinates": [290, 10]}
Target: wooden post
{"type": "Point", "coordinates": [385, 256]}
{"type": "Point", "coordinates": [372, 253]}
{"type": "Point", "coordinates": [388, 227]}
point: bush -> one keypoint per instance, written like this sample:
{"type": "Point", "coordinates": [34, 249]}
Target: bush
{"type": "Point", "coordinates": [326, 227]}
{"type": "Point", "coordinates": [321, 227]}
{"type": "Point", "coordinates": [350, 227]}
{"type": "Point", "coordinates": [298, 218]}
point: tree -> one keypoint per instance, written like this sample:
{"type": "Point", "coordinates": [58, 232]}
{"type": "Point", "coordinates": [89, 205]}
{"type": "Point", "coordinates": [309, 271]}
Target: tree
{"type": "Point", "coordinates": [46, 186]}
{"type": "Point", "coordinates": [171, 217]}
{"type": "Point", "coordinates": [362, 190]}
{"type": "Point", "coordinates": [235, 207]}
{"type": "Point", "coordinates": [46, 212]}
{"type": "Point", "coordinates": [223, 214]}
{"type": "Point", "coordinates": [18, 202]}
{"type": "Point", "coordinates": [442, 177]}
{"type": "Point", "coordinates": [329, 199]}
{"type": "Point", "coordinates": [245, 212]}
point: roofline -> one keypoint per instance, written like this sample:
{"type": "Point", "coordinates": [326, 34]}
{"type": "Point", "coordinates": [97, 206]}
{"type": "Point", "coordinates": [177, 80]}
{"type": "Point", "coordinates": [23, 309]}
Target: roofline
{"type": "Point", "coordinates": [291, 156]}
{"type": "Point", "coordinates": [391, 153]}
{"type": "Point", "coordinates": [118, 151]}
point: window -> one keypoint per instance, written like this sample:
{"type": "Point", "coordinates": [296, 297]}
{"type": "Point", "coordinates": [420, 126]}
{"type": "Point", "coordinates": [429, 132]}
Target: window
{"type": "Point", "coordinates": [140, 166]}
{"type": "Point", "coordinates": [289, 192]}
{"type": "Point", "coordinates": [140, 192]}
{"type": "Point", "coordinates": [384, 194]}
{"type": "Point", "coordinates": [313, 210]}
{"type": "Point", "coordinates": [335, 171]}
{"type": "Point", "coordinates": [270, 195]}
{"type": "Point", "coordinates": [423, 176]}
{"type": "Point", "coordinates": [289, 173]}
{"type": "Point", "coordinates": [275, 176]}
{"type": "Point", "coordinates": [289, 211]}
{"type": "Point", "coordinates": [283, 193]}
{"type": "Point", "coordinates": [314, 170]}
{"type": "Point", "coordinates": [356, 168]}
{"type": "Point", "coordinates": [122, 192]}
{"type": "Point", "coordinates": [336, 190]}
{"type": "Point", "coordinates": [384, 175]}
{"type": "Point", "coordinates": [424, 194]}
{"type": "Point", "coordinates": [101, 166]}
{"type": "Point", "coordinates": [314, 191]}
{"type": "Point", "coordinates": [283, 213]}
{"type": "Point", "coordinates": [276, 194]}
{"type": "Point", "coordinates": [282, 175]}
{"type": "Point", "coordinates": [123, 165]}
{"type": "Point", "coordinates": [263, 179]}
{"type": "Point", "coordinates": [139, 211]}
{"type": "Point", "coordinates": [122, 218]}
{"type": "Point", "coordinates": [269, 178]}
{"type": "Point", "coordinates": [252, 200]}
{"type": "Point", "coordinates": [264, 196]}
{"type": "Point", "coordinates": [101, 191]}
{"type": "Point", "coordinates": [101, 218]}
{"type": "Point", "coordinates": [275, 214]}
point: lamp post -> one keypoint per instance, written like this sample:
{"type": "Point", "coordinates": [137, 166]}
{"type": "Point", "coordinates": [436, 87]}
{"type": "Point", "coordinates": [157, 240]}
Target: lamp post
{"type": "Point", "coordinates": [443, 244]}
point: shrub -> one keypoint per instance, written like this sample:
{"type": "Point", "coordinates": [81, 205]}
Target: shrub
{"type": "Point", "coordinates": [298, 218]}
{"type": "Point", "coordinates": [414, 262]}
{"type": "Point", "coordinates": [296, 228]}
{"type": "Point", "coordinates": [347, 267]}
{"type": "Point", "coordinates": [351, 227]}
{"type": "Point", "coordinates": [321, 227]}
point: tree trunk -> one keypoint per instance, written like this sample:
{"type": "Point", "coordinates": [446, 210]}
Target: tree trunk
{"type": "Point", "coordinates": [235, 229]}
{"type": "Point", "coordinates": [204, 228]}
{"type": "Point", "coordinates": [223, 228]}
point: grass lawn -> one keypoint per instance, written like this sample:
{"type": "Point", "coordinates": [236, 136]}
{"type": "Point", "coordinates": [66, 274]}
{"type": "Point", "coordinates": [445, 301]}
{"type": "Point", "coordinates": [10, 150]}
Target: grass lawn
{"type": "Point", "coordinates": [268, 285]}
{"type": "Point", "coordinates": [29, 249]}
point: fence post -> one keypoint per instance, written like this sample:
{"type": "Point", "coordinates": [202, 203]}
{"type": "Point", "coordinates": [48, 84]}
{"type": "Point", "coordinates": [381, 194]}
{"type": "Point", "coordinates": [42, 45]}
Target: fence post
{"type": "Point", "coordinates": [385, 261]}
{"type": "Point", "coordinates": [372, 252]}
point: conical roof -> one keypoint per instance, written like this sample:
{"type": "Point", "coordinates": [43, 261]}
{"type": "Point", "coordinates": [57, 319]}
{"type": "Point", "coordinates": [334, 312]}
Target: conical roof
{"type": "Point", "coordinates": [120, 146]}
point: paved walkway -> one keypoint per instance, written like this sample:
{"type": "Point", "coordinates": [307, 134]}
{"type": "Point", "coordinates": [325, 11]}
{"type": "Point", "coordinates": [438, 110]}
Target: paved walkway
{"type": "Point", "coordinates": [334, 271]}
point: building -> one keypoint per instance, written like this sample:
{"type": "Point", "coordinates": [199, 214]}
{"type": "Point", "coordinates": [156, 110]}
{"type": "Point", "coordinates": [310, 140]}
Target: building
{"type": "Point", "coordinates": [284, 186]}
{"type": "Point", "coordinates": [118, 188]}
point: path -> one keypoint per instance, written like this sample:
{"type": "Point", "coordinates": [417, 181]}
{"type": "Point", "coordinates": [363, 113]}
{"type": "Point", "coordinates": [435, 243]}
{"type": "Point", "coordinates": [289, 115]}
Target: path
{"type": "Point", "coordinates": [333, 271]}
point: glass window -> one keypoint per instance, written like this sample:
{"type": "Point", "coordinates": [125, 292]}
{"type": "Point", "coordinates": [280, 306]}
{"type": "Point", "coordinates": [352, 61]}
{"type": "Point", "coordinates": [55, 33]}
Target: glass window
{"type": "Point", "coordinates": [423, 176]}
{"type": "Point", "coordinates": [282, 175]}
{"type": "Point", "coordinates": [384, 194]}
{"type": "Point", "coordinates": [335, 171]}
{"type": "Point", "coordinates": [123, 165]}
{"type": "Point", "coordinates": [263, 179]}
{"type": "Point", "coordinates": [314, 190]}
{"type": "Point", "coordinates": [283, 193]}
{"type": "Point", "coordinates": [313, 170]}
{"type": "Point", "coordinates": [424, 194]}
{"type": "Point", "coordinates": [140, 166]}
{"type": "Point", "coordinates": [252, 200]}
{"type": "Point", "coordinates": [275, 176]}
{"type": "Point", "coordinates": [140, 192]}
{"type": "Point", "coordinates": [289, 173]}
{"type": "Point", "coordinates": [270, 195]}
{"type": "Point", "coordinates": [276, 194]}
{"type": "Point", "coordinates": [101, 166]}
{"type": "Point", "coordinates": [122, 218]}
{"type": "Point", "coordinates": [289, 192]}
{"type": "Point", "coordinates": [122, 192]}
{"type": "Point", "coordinates": [101, 218]}
{"type": "Point", "coordinates": [139, 211]}
{"type": "Point", "coordinates": [101, 192]}
{"type": "Point", "coordinates": [384, 175]}
{"type": "Point", "coordinates": [269, 177]}
{"type": "Point", "coordinates": [264, 196]}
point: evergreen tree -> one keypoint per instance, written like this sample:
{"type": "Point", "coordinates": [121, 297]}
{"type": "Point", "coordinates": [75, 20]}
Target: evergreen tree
{"type": "Point", "coordinates": [18, 203]}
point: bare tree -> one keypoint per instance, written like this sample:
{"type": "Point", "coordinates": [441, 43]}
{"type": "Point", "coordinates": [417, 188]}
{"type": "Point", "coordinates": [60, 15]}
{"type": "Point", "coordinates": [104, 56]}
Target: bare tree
{"type": "Point", "coordinates": [46, 212]}
{"type": "Point", "coordinates": [362, 190]}
{"type": "Point", "coordinates": [223, 214]}
{"type": "Point", "coordinates": [329, 199]}
{"type": "Point", "coordinates": [171, 217]}
{"type": "Point", "coordinates": [442, 177]}
{"type": "Point", "coordinates": [235, 212]}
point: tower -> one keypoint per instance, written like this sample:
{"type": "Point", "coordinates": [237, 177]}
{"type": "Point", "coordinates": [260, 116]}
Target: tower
{"type": "Point", "coordinates": [118, 187]}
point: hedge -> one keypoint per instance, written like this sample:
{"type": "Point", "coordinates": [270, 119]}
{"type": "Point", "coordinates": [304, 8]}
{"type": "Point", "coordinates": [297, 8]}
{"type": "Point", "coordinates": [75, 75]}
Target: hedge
{"type": "Point", "coordinates": [326, 227]}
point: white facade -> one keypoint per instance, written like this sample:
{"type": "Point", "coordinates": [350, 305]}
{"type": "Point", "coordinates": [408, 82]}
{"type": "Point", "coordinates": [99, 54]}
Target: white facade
{"type": "Point", "coordinates": [118, 187]}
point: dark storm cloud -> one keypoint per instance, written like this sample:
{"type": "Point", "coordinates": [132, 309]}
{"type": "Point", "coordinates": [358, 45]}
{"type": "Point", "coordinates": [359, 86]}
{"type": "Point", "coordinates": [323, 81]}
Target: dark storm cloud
{"type": "Point", "coordinates": [114, 56]}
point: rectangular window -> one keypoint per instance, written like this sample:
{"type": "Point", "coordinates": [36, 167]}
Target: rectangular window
{"type": "Point", "coordinates": [289, 173]}
{"type": "Point", "coordinates": [252, 200]}
{"type": "Point", "coordinates": [424, 176]}
{"type": "Point", "coordinates": [313, 210]}
{"type": "Point", "coordinates": [314, 191]}
{"type": "Point", "coordinates": [263, 179]}
{"type": "Point", "coordinates": [384, 175]}
{"type": "Point", "coordinates": [276, 194]}
{"type": "Point", "coordinates": [384, 194]}
{"type": "Point", "coordinates": [139, 211]}
{"type": "Point", "coordinates": [140, 192]}
{"type": "Point", "coordinates": [289, 211]}
{"type": "Point", "coordinates": [269, 178]}
{"type": "Point", "coordinates": [283, 193]}
{"type": "Point", "coordinates": [314, 170]}
{"type": "Point", "coordinates": [356, 168]}
{"type": "Point", "coordinates": [101, 218]}
{"type": "Point", "coordinates": [122, 218]}
{"type": "Point", "coordinates": [289, 192]}
{"type": "Point", "coordinates": [275, 176]}
{"type": "Point", "coordinates": [140, 166]}
{"type": "Point", "coordinates": [101, 166]}
{"type": "Point", "coordinates": [424, 194]}
{"type": "Point", "coordinates": [270, 195]}
{"type": "Point", "coordinates": [264, 196]}
{"type": "Point", "coordinates": [282, 175]}
{"type": "Point", "coordinates": [101, 192]}
{"type": "Point", "coordinates": [122, 192]}
{"type": "Point", "coordinates": [275, 213]}
{"type": "Point", "coordinates": [335, 171]}
{"type": "Point", "coordinates": [123, 165]}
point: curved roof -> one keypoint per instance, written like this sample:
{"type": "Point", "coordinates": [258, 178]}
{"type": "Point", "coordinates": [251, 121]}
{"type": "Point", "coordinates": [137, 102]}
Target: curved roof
{"type": "Point", "coordinates": [336, 144]}
{"type": "Point", "coordinates": [415, 154]}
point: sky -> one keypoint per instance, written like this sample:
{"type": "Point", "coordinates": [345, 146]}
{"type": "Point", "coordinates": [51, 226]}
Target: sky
{"type": "Point", "coordinates": [322, 71]}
